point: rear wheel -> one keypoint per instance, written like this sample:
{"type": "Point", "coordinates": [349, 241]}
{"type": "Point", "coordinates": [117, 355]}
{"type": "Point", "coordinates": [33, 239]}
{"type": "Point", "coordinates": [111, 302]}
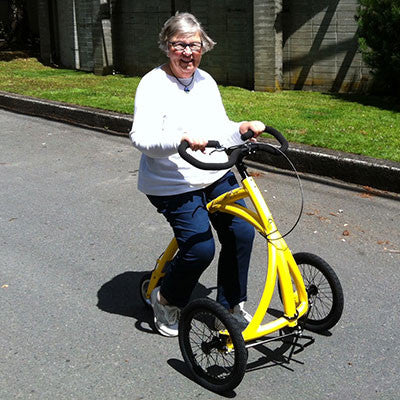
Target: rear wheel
{"type": "Point", "coordinates": [143, 285]}
{"type": "Point", "coordinates": [216, 360]}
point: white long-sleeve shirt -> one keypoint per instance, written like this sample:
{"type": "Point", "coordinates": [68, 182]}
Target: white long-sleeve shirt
{"type": "Point", "coordinates": [164, 112]}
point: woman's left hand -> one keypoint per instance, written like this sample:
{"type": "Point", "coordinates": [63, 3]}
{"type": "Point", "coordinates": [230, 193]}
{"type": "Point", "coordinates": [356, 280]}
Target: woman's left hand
{"type": "Point", "coordinates": [256, 126]}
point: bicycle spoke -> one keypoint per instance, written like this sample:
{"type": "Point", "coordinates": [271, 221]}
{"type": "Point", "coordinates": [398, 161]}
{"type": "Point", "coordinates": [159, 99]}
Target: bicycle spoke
{"type": "Point", "coordinates": [217, 362]}
{"type": "Point", "coordinates": [322, 302]}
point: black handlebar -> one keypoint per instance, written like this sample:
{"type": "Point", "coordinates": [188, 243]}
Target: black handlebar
{"type": "Point", "coordinates": [236, 153]}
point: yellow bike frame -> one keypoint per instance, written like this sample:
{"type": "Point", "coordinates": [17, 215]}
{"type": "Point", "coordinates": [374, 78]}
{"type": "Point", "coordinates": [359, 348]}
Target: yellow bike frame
{"type": "Point", "coordinates": [280, 261]}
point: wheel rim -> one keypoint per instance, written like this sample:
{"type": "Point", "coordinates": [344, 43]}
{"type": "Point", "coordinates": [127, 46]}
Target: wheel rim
{"type": "Point", "coordinates": [143, 289]}
{"type": "Point", "coordinates": [319, 293]}
{"type": "Point", "coordinates": [209, 352]}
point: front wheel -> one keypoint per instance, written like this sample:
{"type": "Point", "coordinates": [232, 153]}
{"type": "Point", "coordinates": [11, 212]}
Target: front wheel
{"type": "Point", "coordinates": [325, 293]}
{"type": "Point", "coordinates": [217, 360]}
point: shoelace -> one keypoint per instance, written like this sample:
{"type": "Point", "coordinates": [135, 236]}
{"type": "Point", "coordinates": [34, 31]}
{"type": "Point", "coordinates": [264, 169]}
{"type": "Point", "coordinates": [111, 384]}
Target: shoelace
{"type": "Point", "coordinates": [171, 314]}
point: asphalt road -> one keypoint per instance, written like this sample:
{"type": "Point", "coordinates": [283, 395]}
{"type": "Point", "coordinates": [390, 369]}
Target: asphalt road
{"type": "Point", "coordinates": [76, 236]}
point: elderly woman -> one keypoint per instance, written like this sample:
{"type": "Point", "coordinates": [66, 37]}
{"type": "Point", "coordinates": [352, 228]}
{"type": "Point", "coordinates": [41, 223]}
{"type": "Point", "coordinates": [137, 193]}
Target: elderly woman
{"type": "Point", "coordinates": [174, 102]}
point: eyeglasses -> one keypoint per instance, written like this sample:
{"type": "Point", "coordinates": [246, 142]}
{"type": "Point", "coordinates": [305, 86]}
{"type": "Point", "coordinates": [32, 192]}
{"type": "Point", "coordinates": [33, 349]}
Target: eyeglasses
{"type": "Point", "coordinates": [181, 46]}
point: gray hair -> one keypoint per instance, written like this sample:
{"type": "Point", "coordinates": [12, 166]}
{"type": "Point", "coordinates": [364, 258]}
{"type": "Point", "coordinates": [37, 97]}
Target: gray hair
{"type": "Point", "coordinates": [184, 24]}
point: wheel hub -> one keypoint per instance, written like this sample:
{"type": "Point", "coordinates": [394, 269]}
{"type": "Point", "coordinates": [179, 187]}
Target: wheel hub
{"type": "Point", "coordinates": [215, 343]}
{"type": "Point", "coordinates": [312, 290]}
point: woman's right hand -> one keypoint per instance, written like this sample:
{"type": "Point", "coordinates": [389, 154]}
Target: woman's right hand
{"type": "Point", "coordinates": [195, 143]}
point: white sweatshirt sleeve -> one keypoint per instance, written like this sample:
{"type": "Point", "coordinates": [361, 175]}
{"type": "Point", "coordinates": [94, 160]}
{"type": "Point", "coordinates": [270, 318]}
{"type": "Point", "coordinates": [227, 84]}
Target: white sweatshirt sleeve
{"type": "Point", "coordinates": [149, 132]}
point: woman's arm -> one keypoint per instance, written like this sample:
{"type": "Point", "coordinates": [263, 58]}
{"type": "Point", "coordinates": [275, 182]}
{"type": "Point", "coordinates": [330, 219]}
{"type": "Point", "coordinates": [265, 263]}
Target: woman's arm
{"type": "Point", "coordinates": [150, 133]}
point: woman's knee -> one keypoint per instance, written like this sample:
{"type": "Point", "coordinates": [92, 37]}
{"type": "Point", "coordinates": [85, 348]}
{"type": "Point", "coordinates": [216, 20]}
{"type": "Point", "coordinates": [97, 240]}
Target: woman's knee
{"type": "Point", "coordinates": [201, 253]}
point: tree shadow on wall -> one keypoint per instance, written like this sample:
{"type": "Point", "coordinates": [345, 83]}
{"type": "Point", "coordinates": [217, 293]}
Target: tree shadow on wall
{"type": "Point", "coordinates": [319, 51]}
{"type": "Point", "coordinates": [313, 8]}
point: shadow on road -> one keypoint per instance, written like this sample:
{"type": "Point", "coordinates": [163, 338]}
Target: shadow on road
{"type": "Point", "coordinates": [121, 295]}
{"type": "Point", "coordinates": [180, 367]}
{"type": "Point", "coordinates": [282, 355]}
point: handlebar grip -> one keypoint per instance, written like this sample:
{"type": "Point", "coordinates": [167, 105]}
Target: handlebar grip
{"type": "Point", "coordinates": [184, 145]}
{"type": "Point", "coordinates": [248, 135]}
{"type": "Point", "coordinates": [213, 143]}
{"type": "Point", "coordinates": [279, 137]}
{"type": "Point", "coordinates": [275, 133]}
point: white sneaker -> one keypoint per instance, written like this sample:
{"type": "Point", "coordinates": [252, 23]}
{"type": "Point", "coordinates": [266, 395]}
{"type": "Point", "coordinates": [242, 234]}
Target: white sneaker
{"type": "Point", "coordinates": [166, 317]}
{"type": "Point", "coordinates": [241, 316]}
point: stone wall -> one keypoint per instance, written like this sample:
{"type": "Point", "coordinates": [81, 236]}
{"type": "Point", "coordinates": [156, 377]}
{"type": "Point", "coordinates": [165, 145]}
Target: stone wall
{"type": "Point", "coordinates": [83, 31]}
{"type": "Point", "coordinates": [65, 20]}
{"type": "Point", "coordinates": [135, 28]}
{"type": "Point", "coordinates": [230, 24]}
{"type": "Point", "coordinates": [136, 25]}
{"type": "Point", "coordinates": [320, 48]}
{"type": "Point", "coordinates": [267, 45]}
{"type": "Point", "coordinates": [261, 44]}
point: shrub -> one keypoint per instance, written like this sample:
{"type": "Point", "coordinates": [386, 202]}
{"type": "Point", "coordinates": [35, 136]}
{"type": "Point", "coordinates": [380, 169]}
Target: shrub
{"type": "Point", "coordinates": [379, 39]}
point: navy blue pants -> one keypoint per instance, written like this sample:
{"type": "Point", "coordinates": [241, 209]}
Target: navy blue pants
{"type": "Point", "coordinates": [190, 221]}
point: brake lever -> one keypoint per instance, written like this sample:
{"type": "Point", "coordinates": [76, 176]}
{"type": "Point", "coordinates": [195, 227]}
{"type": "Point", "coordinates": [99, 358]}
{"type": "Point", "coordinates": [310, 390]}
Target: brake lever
{"type": "Point", "coordinates": [218, 149]}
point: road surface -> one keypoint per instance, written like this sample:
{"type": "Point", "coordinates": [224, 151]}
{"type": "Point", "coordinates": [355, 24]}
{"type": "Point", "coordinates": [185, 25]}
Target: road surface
{"type": "Point", "coordinates": [76, 236]}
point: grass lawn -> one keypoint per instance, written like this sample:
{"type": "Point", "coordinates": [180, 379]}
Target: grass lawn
{"type": "Point", "coordinates": [352, 123]}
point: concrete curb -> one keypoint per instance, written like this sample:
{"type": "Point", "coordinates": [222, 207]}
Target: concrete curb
{"type": "Point", "coordinates": [367, 171]}
{"type": "Point", "coordinates": [108, 121]}
{"type": "Point", "coordinates": [361, 170]}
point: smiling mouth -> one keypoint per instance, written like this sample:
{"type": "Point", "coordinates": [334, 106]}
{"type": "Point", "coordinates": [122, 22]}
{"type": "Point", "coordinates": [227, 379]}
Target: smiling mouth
{"type": "Point", "coordinates": [187, 64]}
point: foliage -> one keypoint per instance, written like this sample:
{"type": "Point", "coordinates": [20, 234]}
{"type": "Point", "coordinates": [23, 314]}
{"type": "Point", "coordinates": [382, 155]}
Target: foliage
{"type": "Point", "coordinates": [15, 30]}
{"type": "Point", "coordinates": [379, 38]}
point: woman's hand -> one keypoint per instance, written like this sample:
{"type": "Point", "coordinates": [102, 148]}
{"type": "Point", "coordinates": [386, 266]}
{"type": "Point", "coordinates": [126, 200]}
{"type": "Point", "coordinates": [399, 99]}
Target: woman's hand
{"type": "Point", "coordinates": [256, 126]}
{"type": "Point", "coordinates": [195, 143]}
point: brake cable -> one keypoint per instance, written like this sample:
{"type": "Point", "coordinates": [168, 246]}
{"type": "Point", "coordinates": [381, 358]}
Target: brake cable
{"type": "Point", "coordinates": [301, 192]}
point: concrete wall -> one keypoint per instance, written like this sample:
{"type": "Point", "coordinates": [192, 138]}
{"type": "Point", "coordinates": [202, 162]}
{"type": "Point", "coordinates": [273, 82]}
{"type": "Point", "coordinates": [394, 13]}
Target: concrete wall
{"type": "Point", "coordinates": [267, 45]}
{"type": "Point", "coordinates": [136, 25]}
{"type": "Point", "coordinates": [230, 24]}
{"type": "Point", "coordinates": [261, 44]}
{"type": "Point", "coordinates": [320, 49]}
{"type": "Point", "coordinates": [65, 19]}
{"type": "Point", "coordinates": [135, 29]}
{"type": "Point", "coordinates": [31, 7]}
{"type": "Point", "coordinates": [83, 32]}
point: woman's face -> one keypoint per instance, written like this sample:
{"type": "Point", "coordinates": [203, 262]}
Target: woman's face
{"type": "Point", "coordinates": [183, 63]}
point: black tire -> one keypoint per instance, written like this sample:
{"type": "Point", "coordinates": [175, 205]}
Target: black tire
{"type": "Point", "coordinates": [204, 348]}
{"type": "Point", "coordinates": [325, 293]}
{"type": "Point", "coordinates": [143, 285]}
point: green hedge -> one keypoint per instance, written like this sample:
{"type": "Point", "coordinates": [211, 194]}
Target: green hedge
{"type": "Point", "coordinates": [379, 38]}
